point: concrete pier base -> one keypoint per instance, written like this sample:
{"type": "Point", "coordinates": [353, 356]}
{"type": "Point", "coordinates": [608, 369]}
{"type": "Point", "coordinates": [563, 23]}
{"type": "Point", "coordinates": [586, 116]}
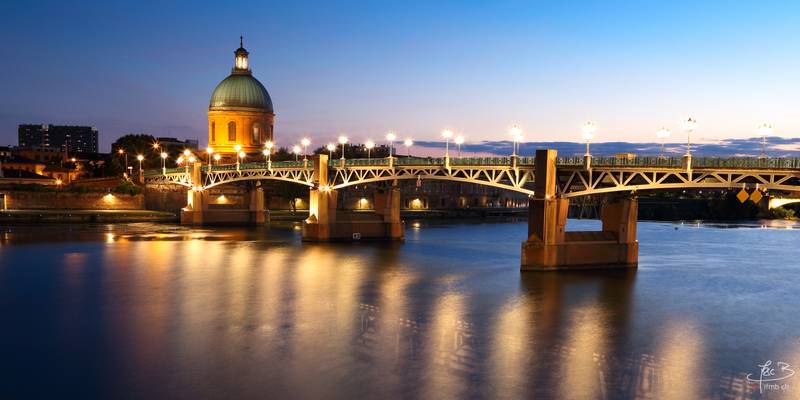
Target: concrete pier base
{"type": "Point", "coordinates": [550, 247]}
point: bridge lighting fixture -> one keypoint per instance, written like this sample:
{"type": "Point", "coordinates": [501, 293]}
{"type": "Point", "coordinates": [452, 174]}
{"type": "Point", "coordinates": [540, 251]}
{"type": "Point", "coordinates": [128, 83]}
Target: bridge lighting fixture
{"type": "Point", "coordinates": [447, 134]}
{"type": "Point", "coordinates": [140, 158]}
{"type": "Point", "coordinates": [516, 137]}
{"type": "Point", "coordinates": [588, 129]}
{"type": "Point", "coordinates": [343, 142]}
{"type": "Point", "coordinates": [305, 142]}
{"type": "Point", "coordinates": [238, 148]}
{"type": "Point", "coordinates": [459, 140]}
{"type": "Point", "coordinates": [296, 151]}
{"type": "Point", "coordinates": [331, 148]}
{"type": "Point", "coordinates": [192, 159]}
{"type": "Point", "coordinates": [408, 142]}
{"type": "Point", "coordinates": [180, 160]}
{"type": "Point", "coordinates": [689, 125]}
{"type": "Point", "coordinates": [163, 156]}
{"type": "Point", "coordinates": [369, 145]}
{"type": "Point", "coordinates": [663, 134]}
{"type": "Point", "coordinates": [269, 145]}
{"type": "Point", "coordinates": [164, 162]}
{"type": "Point", "coordinates": [764, 130]}
{"type": "Point", "coordinates": [217, 157]}
{"type": "Point", "coordinates": [391, 137]}
{"type": "Point", "coordinates": [186, 153]}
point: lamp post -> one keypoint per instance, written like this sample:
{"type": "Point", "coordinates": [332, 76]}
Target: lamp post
{"type": "Point", "coordinates": [343, 142]}
{"type": "Point", "coordinates": [164, 162]}
{"type": "Point", "coordinates": [296, 151]}
{"type": "Point", "coordinates": [391, 137]}
{"type": "Point", "coordinates": [238, 149]}
{"type": "Point", "coordinates": [459, 141]}
{"type": "Point", "coordinates": [121, 152]}
{"type": "Point", "coordinates": [689, 125]}
{"type": "Point", "coordinates": [217, 157]}
{"type": "Point", "coordinates": [516, 137]}
{"type": "Point", "coordinates": [210, 152]}
{"type": "Point", "coordinates": [447, 134]}
{"type": "Point", "coordinates": [268, 152]}
{"type": "Point", "coordinates": [369, 145]}
{"type": "Point", "coordinates": [331, 148]}
{"type": "Point", "coordinates": [764, 130]}
{"type": "Point", "coordinates": [305, 142]}
{"type": "Point", "coordinates": [408, 142]}
{"type": "Point", "coordinates": [662, 135]}
{"type": "Point", "coordinates": [588, 129]}
{"type": "Point", "coordinates": [141, 173]}
{"type": "Point", "coordinates": [241, 157]}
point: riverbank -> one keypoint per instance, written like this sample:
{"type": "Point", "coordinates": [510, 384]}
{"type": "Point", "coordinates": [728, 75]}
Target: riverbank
{"type": "Point", "coordinates": [85, 216]}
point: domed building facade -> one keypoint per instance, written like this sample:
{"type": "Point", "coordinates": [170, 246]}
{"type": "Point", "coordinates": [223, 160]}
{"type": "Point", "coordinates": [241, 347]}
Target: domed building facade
{"type": "Point", "coordinates": [240, 112]}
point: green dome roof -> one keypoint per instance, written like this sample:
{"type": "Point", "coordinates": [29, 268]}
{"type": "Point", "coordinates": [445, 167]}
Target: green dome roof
{"type": "Point", "coordinates": [240, 91]}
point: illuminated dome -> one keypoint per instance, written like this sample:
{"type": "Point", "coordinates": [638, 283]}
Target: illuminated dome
{"type": "Point", "coordinates": [240, 90]}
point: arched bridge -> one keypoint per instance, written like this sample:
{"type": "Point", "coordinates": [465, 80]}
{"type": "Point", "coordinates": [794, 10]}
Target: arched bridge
{"type": "Point", "coordinates": [573, 176]}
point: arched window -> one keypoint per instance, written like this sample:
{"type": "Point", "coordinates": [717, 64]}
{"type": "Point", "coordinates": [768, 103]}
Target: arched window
{"type": "Point", "coordinates": [213, 131]}
{"type": "Point", "coordinates": [256, 139]}
{"type": "Point", "coordinates": [231, 131]}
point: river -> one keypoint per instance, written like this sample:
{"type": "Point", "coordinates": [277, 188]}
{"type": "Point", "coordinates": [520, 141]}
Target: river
{"type": "Point", "coordinates": [164, 311]}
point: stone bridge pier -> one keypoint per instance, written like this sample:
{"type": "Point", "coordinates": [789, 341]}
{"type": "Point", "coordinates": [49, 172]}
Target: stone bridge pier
{"type": "Point", "coordinates": [202, 209]}
{"type": "Point", "coordinates": [550, 247]}
{"type": "Point", "coordinates": [326, 222]}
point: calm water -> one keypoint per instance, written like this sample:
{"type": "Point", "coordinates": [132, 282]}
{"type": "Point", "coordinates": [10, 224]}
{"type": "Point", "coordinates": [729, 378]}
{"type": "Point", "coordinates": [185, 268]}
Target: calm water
{"type": "Point", "coordinates": [155, 311]}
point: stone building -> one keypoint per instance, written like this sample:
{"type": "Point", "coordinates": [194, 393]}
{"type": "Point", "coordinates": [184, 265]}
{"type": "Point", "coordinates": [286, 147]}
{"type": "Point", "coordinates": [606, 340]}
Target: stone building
{"type": "Point", "coordinates": [240, 112]}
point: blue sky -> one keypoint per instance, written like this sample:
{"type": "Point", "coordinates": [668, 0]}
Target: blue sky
{"type": "Point", "coordinates": [362, 68]}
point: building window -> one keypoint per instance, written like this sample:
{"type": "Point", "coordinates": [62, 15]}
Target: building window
{"type": "Point", "coordinates": [213, 131]}
{"type": "Point", "coordinates": [231, 131]}
{"type": "Point", "coordinates": [256, 139]}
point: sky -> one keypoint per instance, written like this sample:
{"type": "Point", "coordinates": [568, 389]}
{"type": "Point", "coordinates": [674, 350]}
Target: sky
{"type": "Point", "coordinates": [362, 68]}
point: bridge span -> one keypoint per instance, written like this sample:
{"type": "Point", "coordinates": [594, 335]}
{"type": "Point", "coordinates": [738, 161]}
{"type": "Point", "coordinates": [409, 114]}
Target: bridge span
{"type": "Point", "coordinates": [549, 181]}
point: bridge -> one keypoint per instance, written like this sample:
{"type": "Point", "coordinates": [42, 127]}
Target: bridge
{"type": "Point", "coordinates": [548, 180]}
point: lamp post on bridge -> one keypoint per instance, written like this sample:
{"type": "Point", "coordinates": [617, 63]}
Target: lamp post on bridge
{"type": "Point", "coordinates": [268, 149]}
{"type": "Point", "coordinates": [141, 173]}
{"type": "Point", "coordinates": [391, 137]}
{"type": "Point", "coordinates": [764, 130]}
{"type": "Point", "coordinates": [343, 142]}
{"type": "Point", "coordinates": [689, 125]}
{"type": "Point", "coordinates": [164, 162]}
{"type": "Point", "coordinates": [331, 148]}
{"type": "Point", "coordinates": [238, 149]}
{"type": "Point", "coordinates": [589, 128]}
{"type": "Point", "coordinates": [459, 140]}
{"type": "Point", "coordinates": [369, 144]}
{"type": "Point", "coordinates": [663, 134]}
{"type": "Point", "coordinates": [210, 152]}
{"type": "Point", "coordinates": [447, 134]}
{"type": "Point", "coordinates": [305, 142]}
{"type": "Point", "coordinates": [516, 137]}
{"type": "Point", "coordinates": [408, 142]}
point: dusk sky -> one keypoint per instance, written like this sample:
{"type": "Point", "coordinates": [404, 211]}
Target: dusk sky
{"type": "Point", "coordinates": [362, 68]}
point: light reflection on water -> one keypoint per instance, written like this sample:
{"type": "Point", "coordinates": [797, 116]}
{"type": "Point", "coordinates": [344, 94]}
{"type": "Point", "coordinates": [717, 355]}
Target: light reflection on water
{"type": "Point", "coordinates": [166, 311]}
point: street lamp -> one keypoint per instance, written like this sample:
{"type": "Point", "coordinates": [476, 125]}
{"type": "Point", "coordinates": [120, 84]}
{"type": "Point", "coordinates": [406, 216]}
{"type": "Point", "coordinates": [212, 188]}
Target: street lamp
{"type": "Point", "coordinates": [516, 137]}
{"type": "Point", "coordinates": [343, 141]}
{"type": "Point", "coordinates": [164, 162]}
{"type": "Point", "coordinates": [408, 142]}
{"type": "Point", "coordinates": [305, 142]}
{"type": "Point", "coordinates": [121, 152]}
{"type": "Point", "coordinates": [588, 129]}
{"type": "Point", "coordinates": [331, 148]}
{"type": "Point", "coordinates": [140, 158]}
{"type": "Point", "coordinates": [391, 138]}
{"type": "Point", "coordinates": [296, 151]}
{"type": "Point", "coordinates": [187, 152]}
{"type": "Point", "coordinates": [269, 145]}
{"type": "Point", "coordinates": [210, 152]}
{"type": "Point", "coordinates": [459, 141]}
{"type": "Point", "coordinates": [689, 126]}
{"type": "Point", "coordinates": [663, 134]}
{"type": "Point", "coordinates": [240, 159]}
{"type": "Point", "coordinates": [369, 145]}
{"type": "Point", "coordinates": [447, 134]}
{"type": "Point", "coordinates": [217, 157]}
{"type": "Point", "coordinates": [764, 130]}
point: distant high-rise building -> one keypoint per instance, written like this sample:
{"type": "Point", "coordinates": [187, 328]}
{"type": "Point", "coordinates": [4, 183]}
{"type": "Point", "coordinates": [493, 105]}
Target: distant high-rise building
{"type": "Point", "coordinates": [70, 139]}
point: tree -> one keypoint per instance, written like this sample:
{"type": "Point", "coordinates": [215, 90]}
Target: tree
{"type": "Point", "coordinates": [133, 145]}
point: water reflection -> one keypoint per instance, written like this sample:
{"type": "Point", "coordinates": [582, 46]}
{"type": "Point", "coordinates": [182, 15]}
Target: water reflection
{"type": "Point", "coordinates": [253, 313]}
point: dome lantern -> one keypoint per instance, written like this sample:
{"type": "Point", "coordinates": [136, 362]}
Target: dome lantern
{"type": "Point", "coordinates": [240, 65]}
